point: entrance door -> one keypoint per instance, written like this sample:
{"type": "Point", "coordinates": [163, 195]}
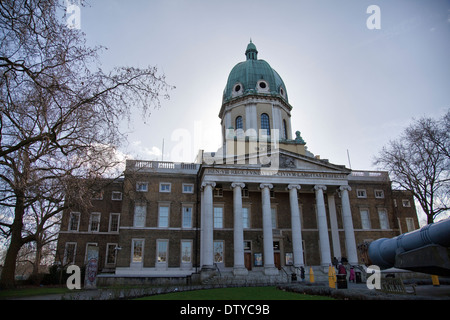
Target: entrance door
{"type": "Point", "coordinates": [277, 260]}
{"type": "Point", "coordinates": [248, 260]}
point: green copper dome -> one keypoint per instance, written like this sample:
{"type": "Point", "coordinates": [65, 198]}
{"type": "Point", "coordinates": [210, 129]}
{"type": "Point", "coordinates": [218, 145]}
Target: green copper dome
{"type": "Point", "coordinates": [252, 77]}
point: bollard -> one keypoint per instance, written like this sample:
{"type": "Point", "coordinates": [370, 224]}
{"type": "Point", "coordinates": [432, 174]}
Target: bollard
{"type": "Point", "coordinates": [331, 281]}
{"type": "Point", "coordinates": [435, 280]}
{"type": "Point", "coordinates": [311, 275]}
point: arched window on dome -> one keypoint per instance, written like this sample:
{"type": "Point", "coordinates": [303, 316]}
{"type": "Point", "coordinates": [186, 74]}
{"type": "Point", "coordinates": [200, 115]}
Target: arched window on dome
{"type": "Point", "coordinates": [265, 123]}
{"type": "Point", "coordinates": [239, 123]}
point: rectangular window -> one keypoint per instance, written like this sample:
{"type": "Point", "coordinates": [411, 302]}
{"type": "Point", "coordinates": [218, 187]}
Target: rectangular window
{"type": "Point", "coordinates": [361, 193]}
{"type": "Point", "coordinates": [365, 219]}
{"type": "Point", "coordinates": [406, 203]}
{"type": "Point", "coordinates": [165, 187]}
{"type": "Point", "coordinates": [218, 251]}
{"type": "Point", "coordinates": [186, 251]}
{"type": "Point", "coordinates": [141, 186]}
{"type": "Point", "coordinates": [97, 195]}
{"type": "Point", "coordinates": [245, 218]}
{"type": "Point", "coordinates": [114, 220]}
{"type": "Point", "coordinates": [137, 250]}
{"type": "Point", "coordinates": [218, 192]}
{"type": "Point", "coordinates": [140, 213]}
{"type": "Point", "coordinates": [274, 217]}
{"type": "Point", "coordinates": [410, 224]}
{"type": "Point", "coordinates": [186, 217]}
{"type": "Point", "coordinates": [218, 217]}
{"type": "Point", "coordinates": [379, 194]}
{"type": "Point", "coordinates": [161, 251]}
{"type": "Point", "coordinates": [111, 253]}
{"type": "Point", "coordinates": [94, 222]}
{"type": "Point", "coordinates": [116, 195]}
{"type": "Point", "coordinates": [74, 221]}
{"type": "Point", "coordinates": [245, 193]}
{"type": "Point", "coordinates": [188, 188]}
{"type": "Point", "coordinates": [163, 216]}
{"type": "Point", "coordinates": [384, 222]}
{"type": "Point", "coordinates": [69, 253]}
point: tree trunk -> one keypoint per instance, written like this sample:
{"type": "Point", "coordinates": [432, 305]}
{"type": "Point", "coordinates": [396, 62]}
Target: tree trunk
{"type": "Point", "coordinates": [9, 269]}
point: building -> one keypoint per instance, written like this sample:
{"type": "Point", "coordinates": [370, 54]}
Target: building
{"type": "Point", "coordinates": [263, 204]}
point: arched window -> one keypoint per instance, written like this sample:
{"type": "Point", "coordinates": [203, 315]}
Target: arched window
{"type": "Point", "coordinates": [239, 123]}
{"type": "Point", "coordinates": [265, 123]}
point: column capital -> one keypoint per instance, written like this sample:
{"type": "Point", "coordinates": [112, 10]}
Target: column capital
{"type": "Point", "coordinates": [346, 188]}
{"type": "Point", "coordinates": [266, 185]}
{"type": "Point", "coordinates": [238, 184]}
{"type": "Point", "coordinates": [208, 183]}
{"type": "Point", "coordinates": [294, 186]}
{"type": "Point", "coordinates": [320, 187]}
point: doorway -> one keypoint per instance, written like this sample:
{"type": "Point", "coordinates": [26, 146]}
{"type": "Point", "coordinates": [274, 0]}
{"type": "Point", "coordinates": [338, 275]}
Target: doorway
{"type": "Point", "coordinates": [248, 260]}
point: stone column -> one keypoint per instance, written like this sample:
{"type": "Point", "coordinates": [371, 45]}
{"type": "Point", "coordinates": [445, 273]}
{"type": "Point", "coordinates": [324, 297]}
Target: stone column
{"type": "Point", "coordinates": [296, 225]}
{"type": "Point", "coordinates": [208, 232]}
{"type": "Point", "coordinates": [350, 242]}
{"type": "Point", "coordinates": [239, 265]}
{"type": "Point", "coordinates": [269, 264]}
{"type": "Point", "coordinates": [334, 227]}
{"type": "Point", "coordinates": [325, 254]}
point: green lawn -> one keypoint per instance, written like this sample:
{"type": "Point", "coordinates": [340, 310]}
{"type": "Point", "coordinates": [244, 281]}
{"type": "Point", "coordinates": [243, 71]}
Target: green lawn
{"type": "Point", "coordinates": [245, 293]}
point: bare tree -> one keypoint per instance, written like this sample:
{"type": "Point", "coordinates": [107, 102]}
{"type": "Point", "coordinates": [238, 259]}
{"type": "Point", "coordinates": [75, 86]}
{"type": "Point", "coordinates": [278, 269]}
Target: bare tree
{"type": "Point", "coordinates": [419, 161]}
{"type": "Point", "coordinates": [59, 114]}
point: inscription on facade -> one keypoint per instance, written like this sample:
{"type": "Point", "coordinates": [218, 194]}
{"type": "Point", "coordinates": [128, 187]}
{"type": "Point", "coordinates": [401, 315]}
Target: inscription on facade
{"type": "Point", "coordinates": [310, 175]}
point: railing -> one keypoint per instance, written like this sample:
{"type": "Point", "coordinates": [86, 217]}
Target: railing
{"type": "Point", "coordinates": [161, 165]}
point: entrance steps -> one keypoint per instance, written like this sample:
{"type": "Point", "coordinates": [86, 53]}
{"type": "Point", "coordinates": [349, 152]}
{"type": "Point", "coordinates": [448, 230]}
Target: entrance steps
{"type": "Point", "coordinates": [257, 277]}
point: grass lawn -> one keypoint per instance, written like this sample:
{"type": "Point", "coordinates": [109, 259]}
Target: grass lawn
{"type": "Point", "coordinates": [244, 293]}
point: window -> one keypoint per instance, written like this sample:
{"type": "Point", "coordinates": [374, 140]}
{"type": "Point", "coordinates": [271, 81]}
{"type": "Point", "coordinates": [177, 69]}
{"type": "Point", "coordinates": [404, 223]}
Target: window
{"type": "Point", "coordinates": [94, 222]}
{"type": "Point", "coordinates": [285, 133]}
{"type": "Point", "coordinates": [186, 251]}
{"type": "Point", "coordinates": [245, 218]}
{"type": "Point", "coordinates": [97, 195]}
{"type": "Point", "coordinates": [384, 222]}
{"type": "Point", "coordinates": [410, 224]}
{"type": "Point", "coordinates": [137, 251]}
{"type": "Point", "coordinates": [163, 216]}
{"type": "Point", "coordinates": [116, 195]}
{"type": "Point", "coordinates": [218, 192]}
{"type": "Point", "coordinates": [218, 217]}
{"type": "Point", "coordinates": [186, 217]}
{"type": "Point", "coordinates": [361, 193]}
{"type": "Point", "coordinates": [265, 123]}
{"type": "Point", "coordinates": [74, 221]}
{"type": "Point", "coordinates": [114, 220]}
{"type": "Point", "coordinates": [406, 203]}
{"type": "Point", "coordinates": [239, 123]}
{"type": "Point", "coordinates": [140, 212]}
{"type": "Point", "coordinates": [69, 253]}
{"type": "Point", "coordinates": [365, 219]}
{"type": "Point", "coordinates": [111, 253]}
{"type": "Point", "coordinates": [142, 186]}
{"type": "Point", "coordinates": [165, 187]}
{"type": "Point", "coordinates": [245, 193]}
{"type": "Point", "coordinates": [161, 251]}
{"type": "Point", "coordinates": [188, 188]}
{"type": "Point", "coordinates": [379, 194]}
{"type": "Point", "coordinates": [218, 251]}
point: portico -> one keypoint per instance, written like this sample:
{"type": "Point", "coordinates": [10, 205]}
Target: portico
{"type": "Point", "coordinates": [292, 181]}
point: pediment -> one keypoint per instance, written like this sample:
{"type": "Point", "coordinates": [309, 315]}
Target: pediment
{"type": "Point", "coordinates": [306, 163]}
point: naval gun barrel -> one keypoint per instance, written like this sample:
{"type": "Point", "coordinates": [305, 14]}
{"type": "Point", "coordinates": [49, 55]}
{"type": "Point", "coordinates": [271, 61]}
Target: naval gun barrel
{"type": "Point", "coordinates": [427, 248]}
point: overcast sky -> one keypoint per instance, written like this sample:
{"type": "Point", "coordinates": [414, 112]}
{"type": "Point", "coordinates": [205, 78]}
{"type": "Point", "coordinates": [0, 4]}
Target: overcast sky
{"type": "Point", "coordinates": [351, 88]}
